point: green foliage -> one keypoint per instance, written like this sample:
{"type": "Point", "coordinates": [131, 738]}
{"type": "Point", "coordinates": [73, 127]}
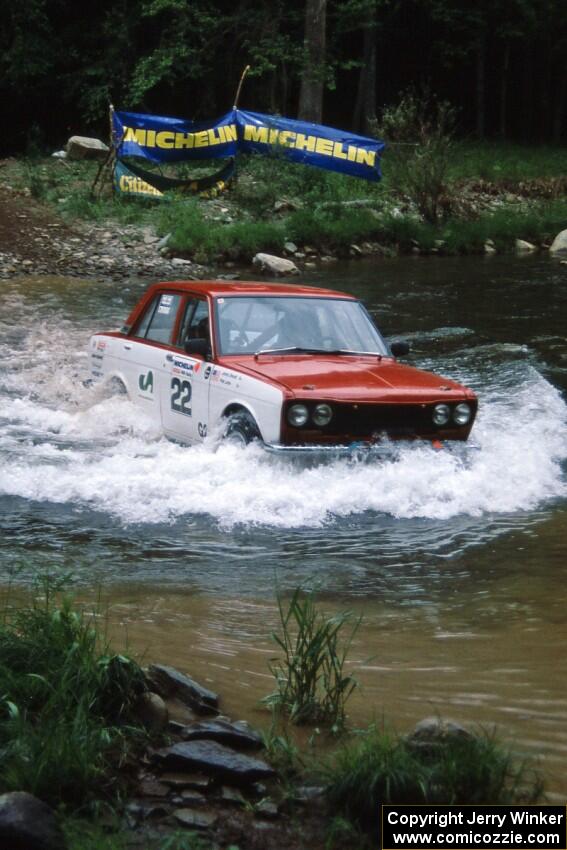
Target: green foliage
{"type": "Point", "coordinates": [333, 229]}
{"type": "Point", "coordinates": [326, 210]}
{"type": "Point", "coordinates": [377, 767]}
{"type": "Point", "coordinates": [282, 752]}
{"type": "Point", "coordinates": [419, 132]}
{"type": "Point", "coordinates": [506, 163]}
{"type": "Point", "coordinates": [312, 684]}
{"type": "Point", "coordinates": [65, 701]}
{"type": "Point", "coordinates": [82, 834]}
{"type": "Point", "coordinates": [182, 35]}
{"type": "Point", "coordinates": [191, 233]}
{"type": "Point", "coordinates": [185, 841]}
{"type": "Point", "coordinates": [61, 65]}
{"type": "Point", "coordinates": [537, 223]}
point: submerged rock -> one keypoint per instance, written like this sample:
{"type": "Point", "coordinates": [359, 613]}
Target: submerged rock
{"type": "Point", "coordinates": [215, 759]}
{"type": "Point", "coordinates": [27, 823]}
{"type": "Point", "coordinates": [433, 732]}
{"type": "Point", "coordinates": [171, 682]}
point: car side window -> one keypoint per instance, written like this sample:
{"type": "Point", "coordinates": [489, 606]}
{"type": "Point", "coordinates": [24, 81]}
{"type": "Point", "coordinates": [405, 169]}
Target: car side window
{"type": "Point", "coordinates": [195, 323]}
{"type": "Point", "coordinates": [162, 321]}
{"type": "Point", "coordinates": [146, 318]}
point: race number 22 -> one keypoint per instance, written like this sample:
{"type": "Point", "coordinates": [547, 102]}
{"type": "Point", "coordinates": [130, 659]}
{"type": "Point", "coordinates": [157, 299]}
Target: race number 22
{"type": "Point", "coordinates": [181, 396]}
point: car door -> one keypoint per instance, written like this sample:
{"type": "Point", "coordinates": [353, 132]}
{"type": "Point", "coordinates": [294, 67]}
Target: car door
{"type": "Point", "coordinates": [185, 393]}
{"type": "Point", "coordinates": [143, 354]}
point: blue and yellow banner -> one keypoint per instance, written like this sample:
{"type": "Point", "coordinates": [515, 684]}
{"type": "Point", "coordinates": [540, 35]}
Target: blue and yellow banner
{"type": "Point", "coordinates": [166, 140]}
{"type": "Point", "coordinates": [310, 144]}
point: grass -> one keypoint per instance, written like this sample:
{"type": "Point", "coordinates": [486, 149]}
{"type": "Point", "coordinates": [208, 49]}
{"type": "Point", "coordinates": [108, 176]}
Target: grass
{"type": "Point", "coordinates": [192, 233]}
{"type": "Point", "coordinates": [66, 702]}
{"type": "Point", "coordinates": [312, 685]}
{"type": "Point", "coordinates": [316, 214]}
{"type": "Point", "coordinates": [376, 768]}
{"type": "Point", "coordinates": [84, 835]}
{"type": "Point", "coordinates": [504, 161]}
{"type": "Point", "coordinates": [538, 223]}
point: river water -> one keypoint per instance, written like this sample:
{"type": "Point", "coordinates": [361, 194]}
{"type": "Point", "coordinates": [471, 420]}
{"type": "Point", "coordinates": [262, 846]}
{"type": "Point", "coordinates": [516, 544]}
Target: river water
{"type": "Point", "coordinates": [459, 569]}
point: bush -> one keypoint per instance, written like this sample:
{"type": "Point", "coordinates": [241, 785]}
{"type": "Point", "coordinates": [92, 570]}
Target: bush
{"type": "Point", "coordinates": [419, 133]}
{"type": "Point", "coordinates": [65, 702]}
{"type": "Point", "coordinates": [378, 768]}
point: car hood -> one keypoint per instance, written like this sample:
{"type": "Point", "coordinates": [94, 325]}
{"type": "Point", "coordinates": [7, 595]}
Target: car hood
{"type": "Point", "coordinates": [348, 378]}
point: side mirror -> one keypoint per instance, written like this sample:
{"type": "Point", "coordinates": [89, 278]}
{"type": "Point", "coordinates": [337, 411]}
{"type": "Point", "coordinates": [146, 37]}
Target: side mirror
{"type": "Point", "coordinates": [197, 346]}
{"type": "Point", "coordinates": [399, 348]}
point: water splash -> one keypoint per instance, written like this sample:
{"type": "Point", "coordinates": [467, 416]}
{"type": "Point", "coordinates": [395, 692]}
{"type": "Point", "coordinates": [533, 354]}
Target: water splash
{"type": "Point", "coordinates": [104, 454]}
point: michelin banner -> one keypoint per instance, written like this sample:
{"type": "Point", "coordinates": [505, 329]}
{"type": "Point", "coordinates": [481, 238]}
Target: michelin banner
{"type": "Point", "coordinates": [167, 140]}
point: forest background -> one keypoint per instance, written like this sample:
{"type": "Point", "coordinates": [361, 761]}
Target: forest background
{"type": "Point", "coordinates": [501, 63]}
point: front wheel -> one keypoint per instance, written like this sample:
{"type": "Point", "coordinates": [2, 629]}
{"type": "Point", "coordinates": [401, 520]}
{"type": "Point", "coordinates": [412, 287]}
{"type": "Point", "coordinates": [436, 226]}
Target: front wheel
{"type": "Point", "coordinates": [241, 429]}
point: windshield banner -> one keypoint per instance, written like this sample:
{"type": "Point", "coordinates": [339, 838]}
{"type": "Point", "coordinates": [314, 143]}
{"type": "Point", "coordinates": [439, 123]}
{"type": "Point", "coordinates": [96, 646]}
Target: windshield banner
{"type": "Point", "coordinates": [163, 139]}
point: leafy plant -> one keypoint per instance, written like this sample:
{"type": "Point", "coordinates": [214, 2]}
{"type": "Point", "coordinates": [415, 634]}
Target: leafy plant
{"type": "Point", "coordinates": [282, 752]}
{"type": "Point", "coordinates": [419, 131]}
{"type": "Point", "coordinates": [312, 684]}
{"type": "Point", "coordinates": [377, 767]}
{"type": "Point", "coordinates": [66, 701]}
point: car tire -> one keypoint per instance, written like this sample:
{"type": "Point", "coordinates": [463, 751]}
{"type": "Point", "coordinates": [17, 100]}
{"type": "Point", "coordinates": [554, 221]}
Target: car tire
{"type": "Point", "coordinates": [241, 429]}
{"type": "Point", "coordinates": [116, 387]}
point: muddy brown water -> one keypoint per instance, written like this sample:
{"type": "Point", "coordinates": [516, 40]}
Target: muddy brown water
{"type": "Point", "coordinates": [457, 567]}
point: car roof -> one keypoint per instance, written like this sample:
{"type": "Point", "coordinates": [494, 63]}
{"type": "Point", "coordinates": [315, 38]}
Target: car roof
{"type": "Point", "coordinates": [243, 287]}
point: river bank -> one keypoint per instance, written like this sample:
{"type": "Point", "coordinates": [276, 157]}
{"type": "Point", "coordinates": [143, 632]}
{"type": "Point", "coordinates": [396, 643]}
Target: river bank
{"type": "Point", "coordinates": [114, 755]}
{"type": "Point", "coordinates": [51, 224]}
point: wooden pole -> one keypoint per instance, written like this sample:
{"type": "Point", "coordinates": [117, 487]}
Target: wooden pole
{"type": "Point", "coordinates": [109, 158]}
{"type": "Point", "coordinates": [237, 98]}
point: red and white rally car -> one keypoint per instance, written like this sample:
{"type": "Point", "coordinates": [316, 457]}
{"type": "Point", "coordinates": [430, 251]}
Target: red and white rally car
{"type": "Point", "coordinates": [296, 367]}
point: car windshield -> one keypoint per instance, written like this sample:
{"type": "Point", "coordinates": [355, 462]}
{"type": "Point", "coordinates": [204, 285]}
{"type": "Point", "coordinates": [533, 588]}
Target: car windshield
{"type": "Point", "coordinates": [292, 324]}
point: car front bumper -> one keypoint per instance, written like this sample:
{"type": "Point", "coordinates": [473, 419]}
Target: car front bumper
{"type": "Point", "coordinates": [363, 450]}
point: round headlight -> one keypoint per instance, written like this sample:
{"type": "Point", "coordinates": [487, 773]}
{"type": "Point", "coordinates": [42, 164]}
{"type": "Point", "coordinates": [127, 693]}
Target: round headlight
{"type": "Point", "coordinates": [297, 415]}
{"type": "Point", "coordinates": [462, 414]}
{"type": "Point", "coordinates": [441, 414]}
{"type": "Point", "coordinates": [322, 415]}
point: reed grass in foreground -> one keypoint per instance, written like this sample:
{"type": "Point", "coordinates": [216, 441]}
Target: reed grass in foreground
{"type": "Point", "coordinates": [312, 684]}
{"type": "Point", "coordinates": [66, 719]}
{"type": "Point", "coordinates": [376, 767]}
{"type": "Point", "coordinates": [83, 835]}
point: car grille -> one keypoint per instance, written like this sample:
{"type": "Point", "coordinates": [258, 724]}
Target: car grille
{"type": "Point", "coordinates": [366, 420]}
{"type": "Point", "coordinates": [354, 421]}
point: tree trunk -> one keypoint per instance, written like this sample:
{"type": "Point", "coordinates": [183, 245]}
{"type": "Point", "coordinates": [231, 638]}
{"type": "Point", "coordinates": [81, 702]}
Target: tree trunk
{"type": "Point", "coordinates": [504, 90]}
{"type": "Point", "coordinates": [369, 118]}
{"type": "Point", "coordinates": [480, 70]}
{"type": "Point", "coordinates": [313, 79]}
{"type": "Point", "coordinates": [528, 130]}
{"type": "Point", "coordinates": [559, 111]}
{"type": "Point", "coordinates": [365, 106]}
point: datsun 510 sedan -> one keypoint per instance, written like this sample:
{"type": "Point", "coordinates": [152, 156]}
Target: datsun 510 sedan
{"type": "Point", "coordinates": [295, 367]}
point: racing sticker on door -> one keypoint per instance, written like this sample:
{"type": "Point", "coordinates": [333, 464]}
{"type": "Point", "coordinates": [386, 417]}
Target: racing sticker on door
{"type": "Point", "coordinates": [146, 382]}
{"type": "Point", "coordinates": [181, 392]}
